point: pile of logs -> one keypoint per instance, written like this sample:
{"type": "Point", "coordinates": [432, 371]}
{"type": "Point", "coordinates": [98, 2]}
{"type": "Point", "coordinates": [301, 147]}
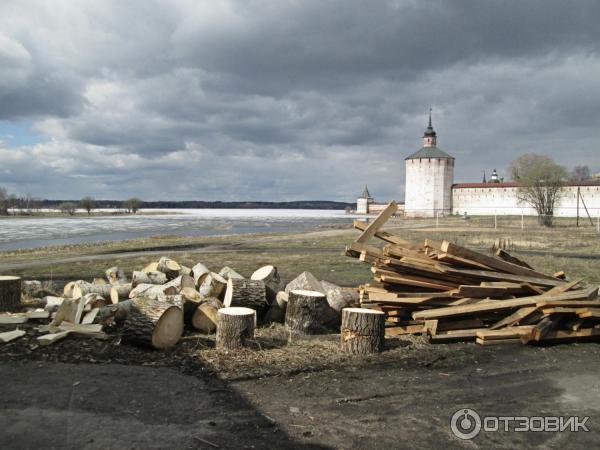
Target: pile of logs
{"type": "Point", "coordinates": [452, 293]}
{"type": "Point", "coordinates": [153, 307]}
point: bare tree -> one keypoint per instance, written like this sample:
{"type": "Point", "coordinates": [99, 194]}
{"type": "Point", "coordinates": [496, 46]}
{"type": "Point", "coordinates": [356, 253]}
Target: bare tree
{"type": "Point", "coordinates": [88, 203]}
{"type": "Point", "coordinates": [3, 202]}
{"type": "Point", "coordinates": [580, 173]}
{"type": "Point", "coordinates": [68, 208]}
{"type": "Point", "coordinates": [540, 183]}
{"type": "Point", "coordinates": [132, 205]}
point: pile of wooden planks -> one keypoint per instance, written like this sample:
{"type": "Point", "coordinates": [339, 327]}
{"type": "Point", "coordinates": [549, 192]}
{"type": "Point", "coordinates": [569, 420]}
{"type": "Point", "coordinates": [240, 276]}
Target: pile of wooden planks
{"type": "Point", "coordinates": [452, 293]}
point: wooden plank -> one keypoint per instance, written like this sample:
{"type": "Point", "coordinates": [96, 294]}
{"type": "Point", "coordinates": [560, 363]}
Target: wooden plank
{"type": "Point", "coordinates": [503, 254]}
{"type": "Point", "coordinates": [575, 303]}
{"type": "Point", "coordinates": [490, 275]}
{"type": "Point", "coordinates": [383, 235]}
{"type": "Point", "coordinates": [481, 291]}
{"type": "Point", "coordinates": [455, 336]}
{"type": "Point", "coordinates": [11, 335]}
{"type": "Point", "coordinates": [10, 319]}
{"type": "Point", "coordinates": [570, 335]}
{"type": "Point", "coordinates": [431, 327]}
{"type": "Point", "coordinates": [51, 338]}
{"type": "Point", "coordinates": [564, 287]}
{"type": "Point", "coordinates": [404, 329]}
{"type": "Point", "coordinates": [498, 341]}
{"type": "Point", "coordinates": [505, 333]}
{"type": "Point", "coordinates": [589, 313]}
{"type": "Point", "coordinates": [515, 317]}
{"type": "Point", "coordinates": [454, 311]}
{"type": "Point", "coordinates": [90, 316]}
{"type": "Point", "coordinates": [356, 248]}
{"type": "Point", "coordinates": [378, 222]}
{"type": "Point", "coordinates": [415, 281]}
{"type": "Point", "coordinates": [494, 263]}
{"type": "Point", "coordinates": [456, 260]}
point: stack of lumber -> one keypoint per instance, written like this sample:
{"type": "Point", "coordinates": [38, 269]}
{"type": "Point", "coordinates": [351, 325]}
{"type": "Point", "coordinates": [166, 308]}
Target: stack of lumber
{"type": "Point", "coordinates": [452, 293]}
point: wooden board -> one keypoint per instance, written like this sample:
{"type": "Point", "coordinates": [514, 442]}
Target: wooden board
{"type": "Point", "coordinates": [490, 275]}
{"type": "Point", "coordinates": [378, 222]}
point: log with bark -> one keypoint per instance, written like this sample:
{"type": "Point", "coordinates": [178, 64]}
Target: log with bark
{"type": "Point", "coordinates": [235, 328]}
{"type": "Point", "coordinates": [227, 273]}
{"type": "Point", "coordinates": [152, 267]}
{"type": "Point", "coordinates": [152, 291]}
{"type": "Point", "coordinates": [362, 331]}
{"type": "Point", "coordinates": [205, 317]}
{"type": "Point", "coordinates": [115, 275]}
{"type": "Point", "coordinates": [247, 293]}
{"type": "Point", "coordinates": [276, 312]}
{"type": "Point", "coordinates": [153, 324]}
{"type": "Point", "coordinates": [339, 298]}
{"type": "Point", "coordinates": [305, 281]}
{"type": "Point", "coordinates": [213, 286]}
{"type": "Point", "coordinates": [169, 267]}
{"type": "Point", "coordinates": [99, 281]}
{"type": "Point", "coordinates": [199, 272]}
{"type": "Point", "coordinates": [51, 303]}
{"type": "Point", "coordinates": [151, 277]}
{"type": "Point", "coordinates": [82, 288]}
{"type": "Point", "coordinates": [307, 312]}
{"type": "Point", "coordinates": [10, 293]}
{"type": "Point", "coordinates": [119, 292]}
{"type": "Point", "coordinates": [270, 276]}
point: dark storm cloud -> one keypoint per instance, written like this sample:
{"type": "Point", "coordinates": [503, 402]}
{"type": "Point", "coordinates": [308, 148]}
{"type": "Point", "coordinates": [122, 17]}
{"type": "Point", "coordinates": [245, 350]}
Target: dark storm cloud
{"type": "Point", "coordinates": [283, 99]}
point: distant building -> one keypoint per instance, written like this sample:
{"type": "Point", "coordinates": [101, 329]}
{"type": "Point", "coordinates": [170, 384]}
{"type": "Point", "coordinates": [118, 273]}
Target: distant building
{"type": "Point", "coordinates": [430, 190]}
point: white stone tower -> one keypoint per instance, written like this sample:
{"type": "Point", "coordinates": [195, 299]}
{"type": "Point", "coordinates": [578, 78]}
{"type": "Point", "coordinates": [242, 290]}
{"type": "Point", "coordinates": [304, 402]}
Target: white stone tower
{"type": "Point", "coordinates": [429, 178]}
{"type": "Point", "coordinates": [363, 202]}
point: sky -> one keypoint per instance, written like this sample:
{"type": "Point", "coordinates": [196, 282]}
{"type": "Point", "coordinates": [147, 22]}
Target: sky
{"type": "Point", "coordinates": [287, 100]}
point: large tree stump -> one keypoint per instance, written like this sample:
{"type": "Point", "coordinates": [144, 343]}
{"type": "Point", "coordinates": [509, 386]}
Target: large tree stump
{"type": "Point", "coordinates": [247, 293]}
{"type": "Point", "coordinates": [213, 285]}
{"type": "Point", "coordinates": [10, 294]}
{"type": "Point", "coordinates": [363, 331]}
{"type": "Point", "coordinates": [305, 281]}
{"type": "Point", "coordinates": [153, 323]}
{"type": "Point", "coordinates": [205, 317]}
{"type": "Point", "coordinates": [270, 276]}
{"type": "Point", "coordinates": [152, 277]}
{"type": "Point", "coordinates": [235, 327]}
{"type": "Point", "coordinates": [307, 312]}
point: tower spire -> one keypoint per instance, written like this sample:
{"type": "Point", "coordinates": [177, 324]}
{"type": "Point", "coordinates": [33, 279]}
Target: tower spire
{"type": "Point", "coordinates": [429, 138]}
{"type": "Point", "coordinates": [430, 118]}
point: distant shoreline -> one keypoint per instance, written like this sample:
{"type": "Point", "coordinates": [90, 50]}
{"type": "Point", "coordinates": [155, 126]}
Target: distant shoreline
{"type": "Point", "coordinates": [84, 215]}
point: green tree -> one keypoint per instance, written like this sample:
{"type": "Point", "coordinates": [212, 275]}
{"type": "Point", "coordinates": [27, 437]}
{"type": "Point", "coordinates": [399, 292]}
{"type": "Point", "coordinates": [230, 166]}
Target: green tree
{"type": "Point", "coordinates": [541, 182]}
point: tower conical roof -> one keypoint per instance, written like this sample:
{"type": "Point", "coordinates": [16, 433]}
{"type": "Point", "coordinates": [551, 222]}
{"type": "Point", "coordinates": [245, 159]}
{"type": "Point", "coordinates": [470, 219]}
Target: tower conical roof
{"type": "Point", "coordinates": [366, 193]}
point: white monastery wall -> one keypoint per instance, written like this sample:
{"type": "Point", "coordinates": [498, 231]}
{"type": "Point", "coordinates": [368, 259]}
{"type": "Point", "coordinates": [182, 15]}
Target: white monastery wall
{"type": "Point", "coordinates": [503, 201]}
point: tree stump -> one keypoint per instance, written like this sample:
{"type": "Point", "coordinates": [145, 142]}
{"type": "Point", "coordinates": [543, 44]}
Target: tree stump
{"type": "Point", "coordinates": [270, 276]}
{"type": "Point", "coordinates": [363, 331]}
{"type": "Point", "coordinates": [247, 293]}
{"type": "Point", "coordinates": [205, 317]}
{"type": "Point", "coordinates": [307, 312]}
{"type": "Point", "coordinates": [10, 294]}
{"type": "Point", "coordinates": [153, 324]}
{"type": "Point", "coordinates": [235, 327]}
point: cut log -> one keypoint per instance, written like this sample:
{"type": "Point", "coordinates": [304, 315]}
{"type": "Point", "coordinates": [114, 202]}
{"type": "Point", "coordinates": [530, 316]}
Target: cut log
{"type": "Point", "coordinates": [227, 273]}
{"type": "Point", "coordinates": [235, 328]}
{"type": "Point", "coordinates": [68, 289]}
{"type": "Point", "coordinates": [191, 294]}
{"type": "Point", "coordinates": [32, 289]}
{"type": "Point", "coordinates": [337, 297]}
{"type": "Point", "coordinates": [213, 286]}
{"type": "Point", "coordinates": [199, 271]}
{"type": "Point", "coordinates": [276, 312]}
{"type": "Point", "coordinates": [182, 281]}
{"type": "Point", "coordinates": [119, 292]}
{"type": "Point", "coordinates": [10, 319]}
{"type": "Point", "coordinates": [247, 293]}
{"type": "Point", "coordinates": [152, 267]}
{"type": "Point", "coordinates": [362, 331]}
{"type": "Point", "coordinates": [98, 281]}
{"type": "Point", "coordinates": [52, 303]}
{"type": "Point", "coordinates": [90, 316]}
{"type": "Point", "coordinates": [270, 276]}
{"type": "Point", "coordinates": [114, 313]}
{"type": "Point", "coordinates": [307, 313]}
{"type": "Point", "coordinates": [48, 339]}
{"type": "Point", "coordinates": [81, 289]}
{"type": "Point", "coordinates": [185, 271]}
{"type": "Point", "coordinates": [168, 267]}
{"type": "Point", "coordinates": [10, 293]}
{"type": "Point", "coordinates": [306, 281]}
{"type": "Point", "coordinates": [151, 277]}
{"type": "Point", "coordinates": [205, 317]}
{"type": "Point", "coordinates": [153, 324]}
{"type": "Point", "coordinates": [152, 291]}
{"type": "Point", "coordinates": [115, 275]}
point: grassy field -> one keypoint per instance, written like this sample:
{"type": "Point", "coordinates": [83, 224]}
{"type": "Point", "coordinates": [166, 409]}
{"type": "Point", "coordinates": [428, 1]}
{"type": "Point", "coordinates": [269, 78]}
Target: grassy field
{"type": "Point", "coordinates": [563, 247]}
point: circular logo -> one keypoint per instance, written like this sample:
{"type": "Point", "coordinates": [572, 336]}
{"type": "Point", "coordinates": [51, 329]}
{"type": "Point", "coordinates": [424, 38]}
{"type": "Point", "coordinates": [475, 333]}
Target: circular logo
{"type": "Point", "coordinates": [465, 424]}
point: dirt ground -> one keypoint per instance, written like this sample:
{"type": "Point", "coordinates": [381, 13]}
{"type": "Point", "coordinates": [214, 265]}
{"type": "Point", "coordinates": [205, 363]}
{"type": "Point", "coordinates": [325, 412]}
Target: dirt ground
{"type": "Point", "coordinates": [82, 393]}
